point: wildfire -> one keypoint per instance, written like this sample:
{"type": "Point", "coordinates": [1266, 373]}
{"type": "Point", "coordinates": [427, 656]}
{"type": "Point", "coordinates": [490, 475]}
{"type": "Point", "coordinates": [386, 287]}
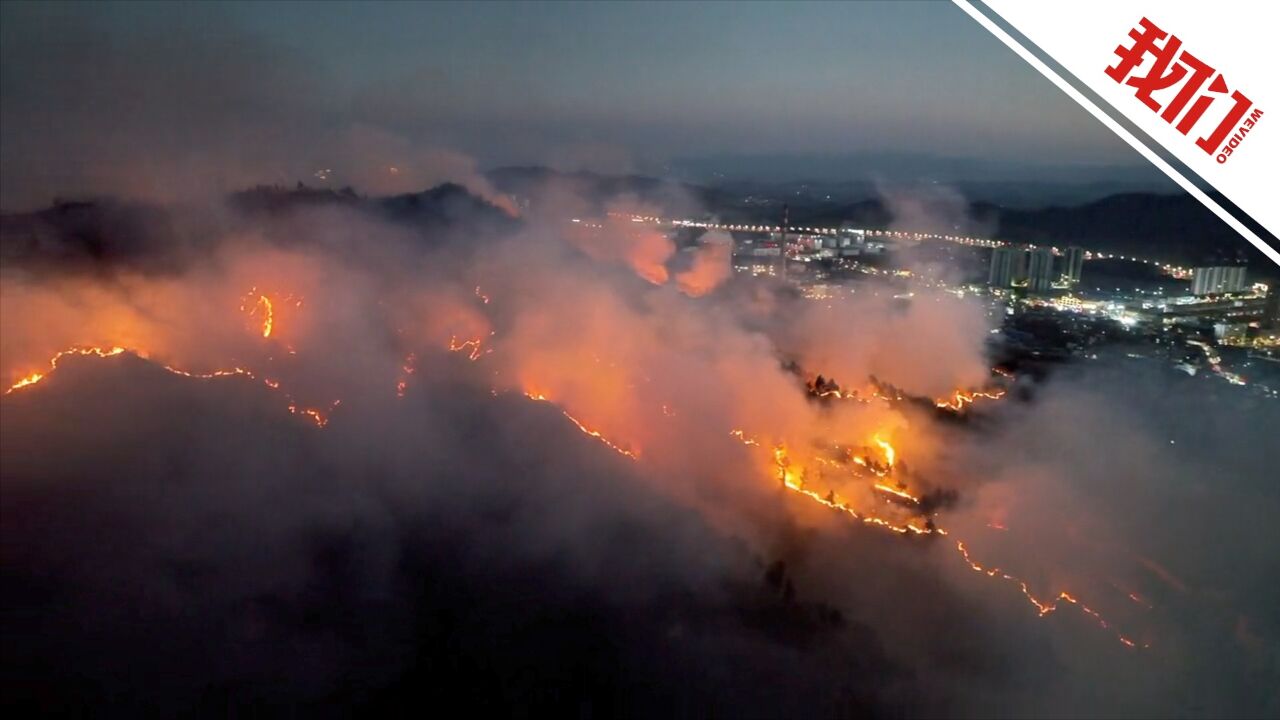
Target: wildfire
{"type": "Point", "coordinates": [267, 315]}
{"type": "Point", "coordinates": [890, 455]}
{"type": "Point", "coordinates": [898, 492]}
{"type": "Point", "coordinates": [319, 417]}
{"type": "Point", "coordinates": [1043, 607]}
{"type": "Point", "coordinates": [632, 454]}
{"type": "Point", "coordinates": [215, 374]}
{"type": "Point", "coordinates": [904, 511]}
{"type": "Point", "coordinates": [476, 347]}
{"type": "Point", "coordinates": [960, 398]}
{"type": "Point", "coordinates": [794, 481]}
{"type": "Point", "coordinates": [262, 308]}
{"type": "Point", "coordinates": [36, 377]}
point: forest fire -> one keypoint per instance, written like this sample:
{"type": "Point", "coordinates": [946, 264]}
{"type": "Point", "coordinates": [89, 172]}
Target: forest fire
{"type": "Point", "coordinates": [361, 360]}
{"type": "Point", "coordinates": [885, 501]}
{"type": "Point", "coordinates": [793, 479]}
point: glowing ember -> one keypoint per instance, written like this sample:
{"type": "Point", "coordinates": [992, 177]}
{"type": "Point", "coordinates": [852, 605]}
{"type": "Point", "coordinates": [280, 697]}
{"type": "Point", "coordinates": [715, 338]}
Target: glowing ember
{"type": "Point", "coordinates": [407, 369]}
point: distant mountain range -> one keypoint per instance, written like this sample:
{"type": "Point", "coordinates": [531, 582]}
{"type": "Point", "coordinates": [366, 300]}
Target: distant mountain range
{"type": "Point", "coordinates": [105, 232]}
{"type": "Point", "coordinates": [1008, 183]}
{"type": "Point", "coordinates": [1169, 227]}
{"type": "Point", "coordinates": [1176, 227]}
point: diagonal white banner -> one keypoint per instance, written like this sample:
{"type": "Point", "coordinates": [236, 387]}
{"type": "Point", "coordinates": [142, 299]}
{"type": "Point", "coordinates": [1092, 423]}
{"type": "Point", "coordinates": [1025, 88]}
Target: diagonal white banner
{"type": "Point", "coordinates": [1191, 83]}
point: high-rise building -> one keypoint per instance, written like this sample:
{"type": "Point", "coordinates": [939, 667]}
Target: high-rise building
{"type": "Point", "coordinates": [1073, 264]}
{"type": "Point", "coordinates": [1271, 312]}
{"type": "Point", "coordinates": [1217, 279]}
{"type": "Point", "coordinates": [1008, 265]}
{"type": "Point", "coordinates": [1040, 270]}
{"type": "Point", "coordinates": [1020, 267]}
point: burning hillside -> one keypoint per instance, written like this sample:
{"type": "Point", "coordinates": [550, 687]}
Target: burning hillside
{"type": "Point", "coordinates": [559, 387]}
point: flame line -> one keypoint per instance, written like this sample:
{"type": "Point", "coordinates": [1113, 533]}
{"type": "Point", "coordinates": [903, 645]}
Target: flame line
{"type": "Point", "coordinates": [792, 482]}
{"type": "Point", "coordinates": [1043, 607]}
{"type": "Point", "coordinates": [633, 455]}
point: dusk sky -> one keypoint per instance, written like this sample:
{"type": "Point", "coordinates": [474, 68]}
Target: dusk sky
{"type": "Point", "coordinates": [272, 92]}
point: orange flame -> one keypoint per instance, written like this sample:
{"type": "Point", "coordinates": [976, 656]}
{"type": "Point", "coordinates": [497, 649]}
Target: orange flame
{"type": "Point", "coordinates": [267, 315]}
{"type": "Point", "coordinates": [890, 455]}
{"type": "Point", "coordinates": [475, 345]}
{"type": "Point", "coordinates": [36, 377]}
{"type": "Point", "coordinates": [960, 398]}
